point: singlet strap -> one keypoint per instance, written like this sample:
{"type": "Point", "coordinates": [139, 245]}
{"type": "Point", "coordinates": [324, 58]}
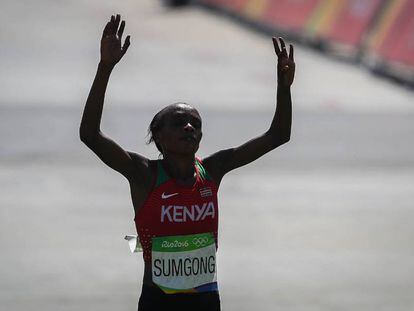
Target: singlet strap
{"type": "Point", "coordinates": [161, 174]}
{"type": "Point", "coordinates": [201, 170]}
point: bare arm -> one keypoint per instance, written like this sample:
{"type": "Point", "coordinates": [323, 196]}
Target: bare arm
{"type": "Point", "coordinates": [129, 164]}
{"type": "Point", "coordinates": [224, 161]}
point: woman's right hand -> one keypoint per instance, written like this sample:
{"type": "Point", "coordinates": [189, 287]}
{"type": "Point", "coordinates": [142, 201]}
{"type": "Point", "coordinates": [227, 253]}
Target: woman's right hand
{"type": "Point", "coordinates": [111, 50]}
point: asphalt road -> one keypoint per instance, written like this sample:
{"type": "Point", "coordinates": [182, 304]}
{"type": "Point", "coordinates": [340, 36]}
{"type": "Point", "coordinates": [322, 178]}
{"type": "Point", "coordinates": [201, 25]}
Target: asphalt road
{"type": "Point", "coordinates": [324, 222]}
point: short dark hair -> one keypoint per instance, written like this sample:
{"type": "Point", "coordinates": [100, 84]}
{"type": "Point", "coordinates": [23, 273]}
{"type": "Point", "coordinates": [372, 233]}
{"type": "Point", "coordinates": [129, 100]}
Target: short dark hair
{"type": "Point", "coordinates": [156, 124]}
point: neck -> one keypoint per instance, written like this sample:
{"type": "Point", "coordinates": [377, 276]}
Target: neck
{"type": "Point", "coordinates": [179, 167]}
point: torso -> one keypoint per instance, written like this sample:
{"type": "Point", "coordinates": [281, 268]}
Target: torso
{"type": "Point", "coordinates": [168, 208]}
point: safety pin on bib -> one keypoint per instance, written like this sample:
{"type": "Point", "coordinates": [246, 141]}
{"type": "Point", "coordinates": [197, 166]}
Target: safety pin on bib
{"type": "Point", "coordinates": [134, 244]}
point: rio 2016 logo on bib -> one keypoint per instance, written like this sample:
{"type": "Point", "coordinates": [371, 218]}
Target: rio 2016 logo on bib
{"type": "Point", "coordinates": [174, 244]}
{"type": "Point", "coordinates": [184, 263]}
{"type": "Point", "coordinates": [200, 241]}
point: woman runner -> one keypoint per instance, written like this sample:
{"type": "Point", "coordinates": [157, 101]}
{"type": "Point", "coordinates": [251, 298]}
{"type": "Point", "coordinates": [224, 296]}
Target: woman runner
{"type": "Point", "coordinates": [175, 198]}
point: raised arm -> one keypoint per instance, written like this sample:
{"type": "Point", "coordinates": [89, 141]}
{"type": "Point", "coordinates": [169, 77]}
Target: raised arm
{"type": "Point", "coordinates": [129, 164]}
{"type": "Point", "coordinates": [224, 161]}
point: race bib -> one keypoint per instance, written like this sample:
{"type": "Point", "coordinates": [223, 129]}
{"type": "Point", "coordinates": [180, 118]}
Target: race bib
{"type": "Point", "coordinates": [184, 263]}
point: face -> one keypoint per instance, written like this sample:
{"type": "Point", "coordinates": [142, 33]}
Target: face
{"type": "Point", "coordinates": [181, 133]}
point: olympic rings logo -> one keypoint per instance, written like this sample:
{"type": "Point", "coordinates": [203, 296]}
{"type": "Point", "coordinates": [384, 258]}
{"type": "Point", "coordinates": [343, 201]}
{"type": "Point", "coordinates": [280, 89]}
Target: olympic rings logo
{"type": "Point", "coordinates": [200, 241]}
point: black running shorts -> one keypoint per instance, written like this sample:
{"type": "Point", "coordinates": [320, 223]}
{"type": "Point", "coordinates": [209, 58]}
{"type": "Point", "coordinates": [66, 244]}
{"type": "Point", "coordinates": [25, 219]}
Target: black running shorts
{"type": "Point", "coordinates": [154, 299]}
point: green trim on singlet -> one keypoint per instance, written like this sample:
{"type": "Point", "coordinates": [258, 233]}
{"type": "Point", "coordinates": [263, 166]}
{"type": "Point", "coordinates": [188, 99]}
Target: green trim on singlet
{"type": "Point", "coordinates": [161, 174]}
{"type": "Point", "coordinates": [203, 173]}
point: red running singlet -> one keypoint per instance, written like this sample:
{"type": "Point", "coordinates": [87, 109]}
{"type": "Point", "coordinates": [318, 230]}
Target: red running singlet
{"type": "Point", "coordinates": [172, 209]}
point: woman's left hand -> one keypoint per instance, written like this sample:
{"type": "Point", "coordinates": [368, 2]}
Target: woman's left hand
{"type": "Point", "coordinates": [285, 63]}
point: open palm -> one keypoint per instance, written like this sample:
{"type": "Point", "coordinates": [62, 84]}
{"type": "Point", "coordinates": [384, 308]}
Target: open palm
{"type": "Point", "coordinates": [111, 49]}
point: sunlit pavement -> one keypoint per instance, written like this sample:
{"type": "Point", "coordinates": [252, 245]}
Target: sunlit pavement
{"type": "Point", "coordinates": [322, 223]}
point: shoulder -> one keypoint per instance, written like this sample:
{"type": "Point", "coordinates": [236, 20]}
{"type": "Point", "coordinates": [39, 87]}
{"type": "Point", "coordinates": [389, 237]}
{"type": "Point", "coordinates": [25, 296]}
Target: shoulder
{"type": "Point", "coordinates": [211, 167]}
{"type": "Point", "coordinates": [144, 170]}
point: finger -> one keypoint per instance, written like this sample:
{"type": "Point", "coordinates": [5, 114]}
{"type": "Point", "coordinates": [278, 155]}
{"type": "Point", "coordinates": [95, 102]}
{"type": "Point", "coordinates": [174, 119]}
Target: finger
{"type": "Point", "coordinates": [126, 45]}
{"type": "Point", "coordinates": [116, 23]}
{"type": "Point", "coordinates": [283, 45]}
{"type": "Point", "coordinates": [291, 52]}
{"type": "Point", "coordinates": [121, 30]}
{"type": "Point", "coordinates": [106, 30]}
{"type": "Point", "coordinates": [276, 45]}
{"type": "Point", "coordinates": [111, 27]}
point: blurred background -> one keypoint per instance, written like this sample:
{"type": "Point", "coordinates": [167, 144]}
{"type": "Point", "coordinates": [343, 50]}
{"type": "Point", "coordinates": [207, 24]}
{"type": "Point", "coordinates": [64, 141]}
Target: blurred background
{"type": "Point", "coordinates": [324, 222]}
